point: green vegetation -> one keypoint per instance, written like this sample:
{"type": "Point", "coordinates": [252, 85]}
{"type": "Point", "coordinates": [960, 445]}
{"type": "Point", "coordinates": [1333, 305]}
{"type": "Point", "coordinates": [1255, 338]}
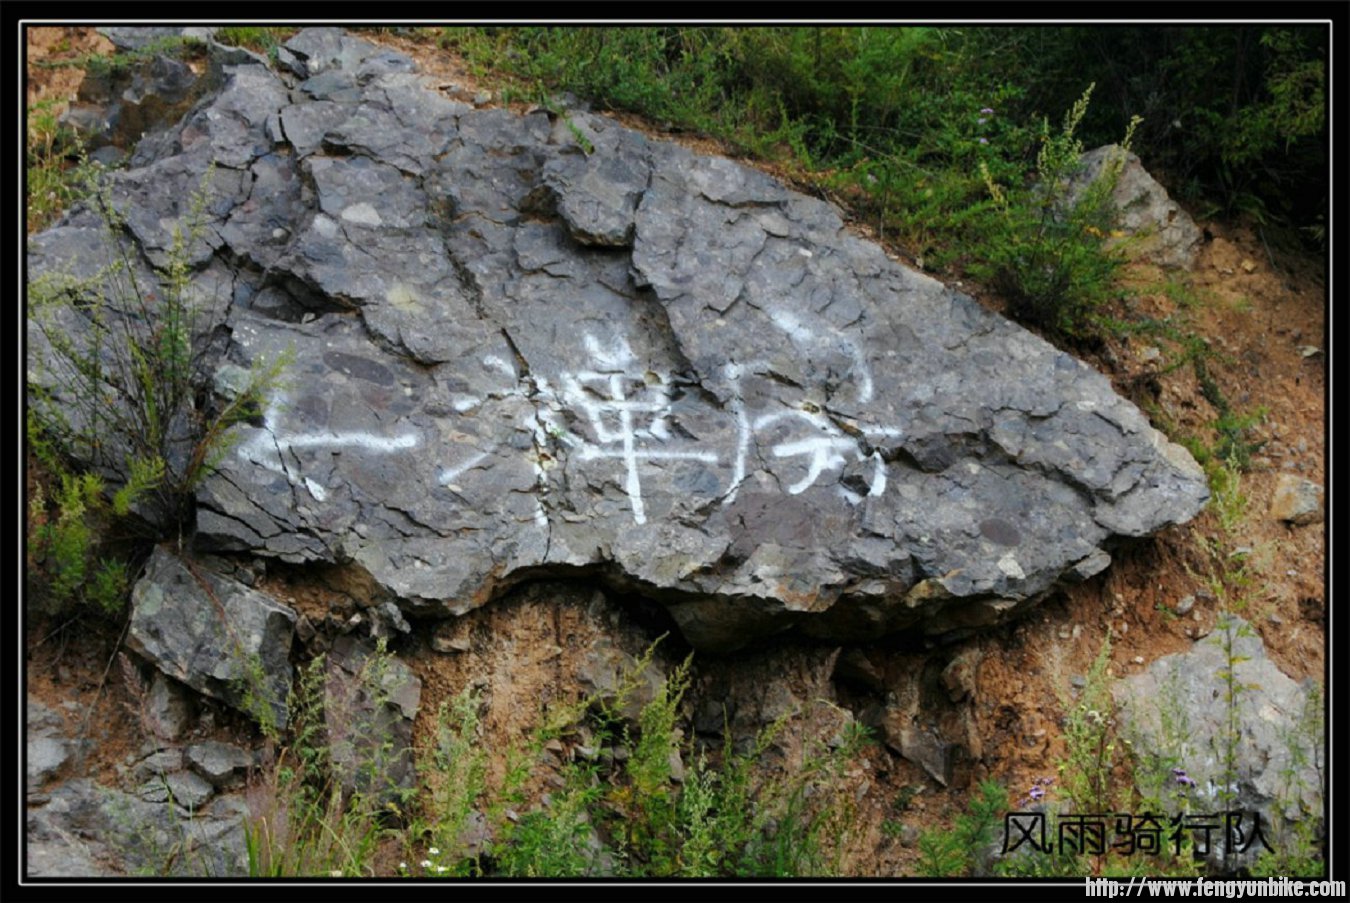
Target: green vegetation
{"type": "Point", "coordinates": [100, 65]}
{"type": "Point", "coordinates": [603, 816]}
{"type": "Point", "coordinates": [1090, 741]}
{"type": "Point", "coordinates": [940, 138]}
{"type": "Point", "coordinates": [1235, 115]}
{"type": "Point", "coordinates": [890, 117]}
{"type": "Point", "coordinates": [966, 849]}
{"type": "Point", "coordinates": [901, 119]}
{"type": "Point", "coordinates": [264, 40]}
{"type": "Point", "coordinates": [55, 166]}
{"type": "Point", "coordinates": [117, 400]}
{"type": "Point", "coordinates": [1305, 746]}
{"type": "Point", "coordinates": [302, 820]}
{"type": "Point", "coordinates": [1048, 248]}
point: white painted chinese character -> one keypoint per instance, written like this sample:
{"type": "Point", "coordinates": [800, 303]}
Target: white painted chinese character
{"type": "Point", "coordinates": [623, 407]}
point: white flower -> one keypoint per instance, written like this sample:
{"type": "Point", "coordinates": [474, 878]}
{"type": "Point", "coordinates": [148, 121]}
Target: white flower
{"type": "Point", "coordinates": [335, 873]}
{"type": "Point", "coordinates": [440, 868]}
{"type": "Point", "coordinates": [433, 851]}
{"type": "Point", "coordinates": [426, 863]}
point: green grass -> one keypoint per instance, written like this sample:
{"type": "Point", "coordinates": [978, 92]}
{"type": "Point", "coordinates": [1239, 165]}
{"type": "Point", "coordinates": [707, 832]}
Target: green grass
{"type": "Point", "coordinates": [962, 850]}
{"type": "Point", "coordinates": [302, 821]}
{"type": "Point", "coordinates": [56, 170]}
{"type": "Point", "coordinates": [730, 815]}
{"type": "Point", "coordinates": [264, 40]}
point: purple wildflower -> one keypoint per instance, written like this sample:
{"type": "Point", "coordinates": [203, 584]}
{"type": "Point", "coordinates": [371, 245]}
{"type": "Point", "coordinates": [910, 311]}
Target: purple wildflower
{"type": "Point", "coordinates": [1037, 793]}
{"type": "Point", "coordinates": [981, 120]}
{"type": "Point", "coordinates": [988, 111]}
{"type": "Point", "coordinates": [984, 140]}
{"type": "Point", "coordinates": [1182, 778]}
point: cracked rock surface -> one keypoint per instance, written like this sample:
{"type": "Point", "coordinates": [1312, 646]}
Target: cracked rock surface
{"type": "Point", "coordinates": [543, 345]}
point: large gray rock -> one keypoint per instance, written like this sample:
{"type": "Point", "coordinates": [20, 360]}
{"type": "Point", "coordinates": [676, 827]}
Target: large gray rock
{"type": "Point", "coordinates": [516, 354]}
{"type": "Point", "coordinates": [220, 763]}
{"type": "Point", "coordinates": [189, 789]}
{"type": "Point", "coordinates": [214, 634]}
{"type": "Point", "coordinates": [168, 708]}
{"type": "Point", "coordinates": [1177, 715]}
{"type": "Point", "coordinates": [138, 38]}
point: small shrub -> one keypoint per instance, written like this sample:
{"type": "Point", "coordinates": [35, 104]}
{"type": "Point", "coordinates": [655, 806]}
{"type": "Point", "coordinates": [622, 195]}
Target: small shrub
{"type": "Point", "coordinates": [118, 399]}
{"type": "Point", "coordinates": [632, 819]}
{"type": "Point", "coordinates": [301, 822]}
{"type": "Point", "coordinates": [964, 849]}
{"type": "Point", "coordinates": [454, 774]}
{"type": "Point", "coordinates": [65, 532]}
{"type": "Point", "coordinates": [1048, 253]}
{"type": "Point", "coordinates": [1090, 741]}
{"type": "Point", "coordinates": [1297, 852]}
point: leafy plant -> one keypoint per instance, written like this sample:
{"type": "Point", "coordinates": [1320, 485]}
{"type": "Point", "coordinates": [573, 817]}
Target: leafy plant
{"type": "Point", "coordinates": [1235, 115]}
{"type": "Point", "coordinates": [1159, 771]}
{"type": "Point", "coordinates": [1297, 852]}
{"type": "Point", "coordinates": [964, 849]}
{"type": "Point", "coordinates": [1229, 631]}
{"type": "Point", "coordinates": [1090, 741]}
{"type": "Point", "coordinates": [455, 776]}
{"type": "Point", "coordinates": [631, 818]}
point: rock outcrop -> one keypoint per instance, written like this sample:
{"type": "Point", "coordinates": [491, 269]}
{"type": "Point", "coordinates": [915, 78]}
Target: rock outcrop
{"type": "Point", "coordinates": [542, 345]}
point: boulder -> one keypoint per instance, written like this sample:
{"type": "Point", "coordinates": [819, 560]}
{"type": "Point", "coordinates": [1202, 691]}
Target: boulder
{"type": "Point", "coordinates": [168, 708]}
{"type": "Point", "coordinates": [47, 748]}
{"type": "Point", "coordinates": [516, 354]}
{"type": "Point", "coordinates": [153, 768]}
{"type": "Point", "coordinates": [189, 789]}
{"type": "Point", "coordinates": [214, 634]}
{"type": "Point", "coordinates": [220, 763]}
{"type": "Point", "coordinates": [1176, 715]}
{"type": "Point", "coordinates": [139, 37]}
{"type": "Point", "coordinates": [1165, 232]}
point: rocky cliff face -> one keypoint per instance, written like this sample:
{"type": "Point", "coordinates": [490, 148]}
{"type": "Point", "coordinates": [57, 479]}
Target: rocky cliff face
{"type": "Point", "coordinates": [544, 345]}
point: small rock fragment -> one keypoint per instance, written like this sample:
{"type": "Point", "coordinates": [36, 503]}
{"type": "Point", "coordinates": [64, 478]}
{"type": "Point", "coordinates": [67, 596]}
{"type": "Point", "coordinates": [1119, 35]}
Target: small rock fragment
{"type": "Point", "coordinates": [218, 762]}
{"type": "Point", "coordinates": [169, 708]}
{"type": "Point", "coordinates": [1296, 500]}
{"type": "Point", "coordinates": [189, 789]}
